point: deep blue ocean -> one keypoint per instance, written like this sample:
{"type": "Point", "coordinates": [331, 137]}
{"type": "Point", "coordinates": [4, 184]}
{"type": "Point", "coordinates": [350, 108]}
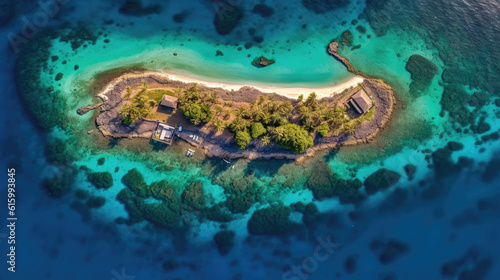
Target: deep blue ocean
{"type": "Point", "coordinates": [442, 222]}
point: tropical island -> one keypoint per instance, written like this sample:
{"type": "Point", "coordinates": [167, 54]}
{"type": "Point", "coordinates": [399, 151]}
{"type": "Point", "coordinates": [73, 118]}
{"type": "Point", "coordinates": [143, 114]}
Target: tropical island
{"type": "Point", "coordinates": [241, 121]}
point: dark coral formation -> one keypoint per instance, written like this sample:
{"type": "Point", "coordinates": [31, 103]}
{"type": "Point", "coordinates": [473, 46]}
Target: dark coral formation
{"type": "Point", "coordinates": [56, 153]}
{"type": "Point", "coordinates": [410, 170]}
{"type": "Point", "coordinates": [218, 214]}
{"type": "Point", "coordinates": [136, 8]}
{"type": "Point", "coordinates": [224, 240]}
{"type": "Point", "coordinates": [135, 182]}
{"type": "Point", "coordinates": [381, 180]}
{"type": "Point", "coordinates": [46, 107]}
{"type": "Point", "coordinates": [193, 196]}
{"type": "Point", "coordinates": [61, 183]}
{"type": "Point", "coordinates": [444, 166]}
{"type": "Point", "coordinates": [227, 17]}
{"type": "Point", "coordinates": [96, 201]}
{"type": "Point", "coordinates": [101, 180]}
{"type": "Point", "coordinates": [324, 184]}
{"type": "Point", "coordinates": [163, 190]}
{"type": "Point", "coordinates": [472, 265]}
{"type": "Point", "coordinates": [165, 215]}
{"type": "Point", "coordinates": [323, 6]}
{"type": "Point", "coordinates": [422, 72]}
{"type": "Point", "coordinates": [388, 251]}
{"type": "Point", "coordinates": [273, 220]}
{"type": "Point", "coordinates": [491, 171]}
{"type": "Point", "coordinates": [263, 10]}
{"type": "Point", "coordinates": [464, 51]}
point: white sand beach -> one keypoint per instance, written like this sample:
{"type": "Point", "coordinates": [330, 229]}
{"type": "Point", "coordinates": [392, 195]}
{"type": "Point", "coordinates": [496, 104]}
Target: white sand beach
{"type": "Point", "coordinates": [290, 92]}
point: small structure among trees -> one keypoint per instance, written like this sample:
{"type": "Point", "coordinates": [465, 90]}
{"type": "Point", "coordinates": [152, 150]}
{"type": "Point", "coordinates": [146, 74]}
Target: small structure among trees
{"type": "Point", "coordinates": [361, 102]}
{"type": "Point", "coordinates": [169, 103]}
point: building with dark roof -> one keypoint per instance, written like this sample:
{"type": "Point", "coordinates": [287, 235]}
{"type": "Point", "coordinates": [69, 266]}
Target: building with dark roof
{"type": "Point", "coordinates": [360, 102]}
{"type": "Point", "coordinates": [169, 102]}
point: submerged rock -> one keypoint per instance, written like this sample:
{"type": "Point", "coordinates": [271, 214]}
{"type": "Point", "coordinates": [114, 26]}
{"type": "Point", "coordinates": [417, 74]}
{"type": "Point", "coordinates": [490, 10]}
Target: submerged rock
{"type": "Point", "coordinates": [194, 197]}
{"type": "Point", "coordinates": [86, 109]}
{"type": "Point", "coordinates": [136, 8]}
{"type": "Point", "coordinates": [455, 146]}
{"type": "Point", "coordinates": [422, 72]}
{"type": "Point", "coordinates": [388, 252]}
{"type": "Point", "coordinates": [381, 180]}
{"type": "Point", "coordinates": [224, 241]}
{"type": "Point", "coordinates": [410, 170]}
{"type": "Point", "coordinates": [323, 6]}
{"type": "Point", "coordinates": [261, 62]}
{"type": "Point", "coordinates": [227, 18]}
{"type": "Point", "coordinates": [273, 220]}
{"type": "Point", "coordinates": [59, 76]}
{"type": "Point", "coordinates": [263, 10]}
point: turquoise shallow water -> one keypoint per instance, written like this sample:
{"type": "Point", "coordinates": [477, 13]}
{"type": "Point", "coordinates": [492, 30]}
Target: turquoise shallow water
{"type": "Point", "coordinates": [450, 221]}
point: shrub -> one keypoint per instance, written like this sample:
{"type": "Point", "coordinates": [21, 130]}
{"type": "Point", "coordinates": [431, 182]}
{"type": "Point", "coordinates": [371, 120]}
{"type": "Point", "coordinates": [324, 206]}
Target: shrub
{"type": "Point", "coordinates": [242, 139]}
{"type": "Point", "coordinates": [135, 182]}
{"type": "Point", "coordinates": [292, 136]}
{"type": "Point", "coordinates": [224, 241]}
{"type": "Point", "coordinates": [270, 221]}
{"type": "Point", "coordinates": [101, 180]}
{"type": "Point", "coordinates": [323, 129]}
{"type": "Point", "coordinates": [257, 129]}
{"type": "Point", "coordinates": [197, 113]}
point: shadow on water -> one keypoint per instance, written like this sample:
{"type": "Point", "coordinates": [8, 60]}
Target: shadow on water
{"type": "Point", "coordinates": [219, 164]}
{"type": "Point", "coordinates": [113, 142]}
{"type": "Point", "coordinates": [262, 167]}
{"type": "Point", "coordinates": [331, 154]}
{"type": "Point", "coordinates": [157, 146]}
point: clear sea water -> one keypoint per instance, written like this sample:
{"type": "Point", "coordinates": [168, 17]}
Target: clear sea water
{"type": "Point", "coordinates": [56, 242]}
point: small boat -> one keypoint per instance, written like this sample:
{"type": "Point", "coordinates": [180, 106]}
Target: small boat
{"type": "Point", "coordinates": [226, 160]}
{"type": "Point", "coordinates": [189, 153]}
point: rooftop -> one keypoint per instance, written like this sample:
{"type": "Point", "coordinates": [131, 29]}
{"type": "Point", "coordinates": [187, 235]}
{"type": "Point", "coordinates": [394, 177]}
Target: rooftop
{"type": "Point", "coordinates": [361, 101]}
{"type": "Point", "coordinates": [169, 101]}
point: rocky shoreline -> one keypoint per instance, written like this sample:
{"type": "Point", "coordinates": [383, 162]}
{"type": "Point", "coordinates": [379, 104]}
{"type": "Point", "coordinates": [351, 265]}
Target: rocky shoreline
{"type": "Point", "coordinates": [109, 120]}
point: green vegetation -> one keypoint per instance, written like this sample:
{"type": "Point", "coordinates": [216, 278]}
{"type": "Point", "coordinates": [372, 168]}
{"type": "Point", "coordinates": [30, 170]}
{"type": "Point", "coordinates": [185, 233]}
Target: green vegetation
{"type": "Point", "coordinates": [257, 130]}
{"type": "Point", "coordinates": [101, 180]}
{"type": "Point", "coordinates": [320, 116]}
{"type": "Point", "coordinates": [140, 107]}
{"type": "Point", "coordinates": [268, 120]}
{"type": "Point", "coordinates": [157, 94]}
{"type": "Point", "coordinates": [292, 136]}
{"type": "Point", "coordinates": [242, 139]}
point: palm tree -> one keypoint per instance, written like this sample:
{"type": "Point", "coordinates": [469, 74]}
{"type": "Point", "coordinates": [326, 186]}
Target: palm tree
{"type": "Point", "coordinates": [349, 128]}
{"type": "Point", "coordinates": [265, 140]}
{"type": "Point", "coordinates": [219, 125]}
{"type": "Point", "coordinates": [239, 124]}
